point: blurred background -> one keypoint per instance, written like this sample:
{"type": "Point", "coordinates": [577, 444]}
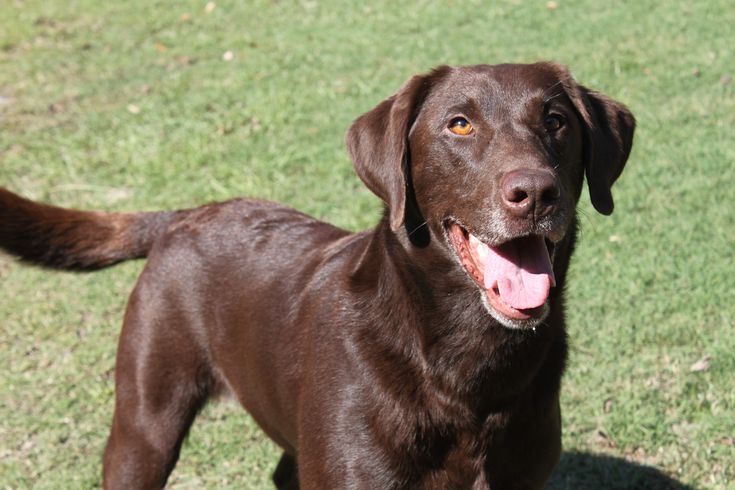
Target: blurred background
{"type": "Point", "coordinates": [161, 104]}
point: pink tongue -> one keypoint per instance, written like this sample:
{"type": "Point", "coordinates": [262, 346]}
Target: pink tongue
{"type": "Point", "coordinates": [522, 271]}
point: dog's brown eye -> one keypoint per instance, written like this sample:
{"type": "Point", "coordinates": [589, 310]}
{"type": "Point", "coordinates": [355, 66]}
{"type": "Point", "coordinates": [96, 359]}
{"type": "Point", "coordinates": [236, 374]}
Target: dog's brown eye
{"type": "Point", "coordinates": [553, 122]}
{"type": "Point", "coordinates": [460, 126]}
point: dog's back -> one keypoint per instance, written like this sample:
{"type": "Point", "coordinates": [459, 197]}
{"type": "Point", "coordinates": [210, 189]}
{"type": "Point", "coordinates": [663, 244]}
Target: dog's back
{"type": "Point", "coordinates": [70, 239]}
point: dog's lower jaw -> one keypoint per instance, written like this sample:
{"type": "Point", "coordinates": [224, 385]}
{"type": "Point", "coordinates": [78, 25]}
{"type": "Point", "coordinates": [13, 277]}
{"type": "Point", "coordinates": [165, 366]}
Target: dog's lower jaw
{"type": "Point", "coordinates": [513, 324]}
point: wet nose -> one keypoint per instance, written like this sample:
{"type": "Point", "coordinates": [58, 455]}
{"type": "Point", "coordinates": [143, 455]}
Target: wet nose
{"type": "Point", "coordinates": [530, 193]}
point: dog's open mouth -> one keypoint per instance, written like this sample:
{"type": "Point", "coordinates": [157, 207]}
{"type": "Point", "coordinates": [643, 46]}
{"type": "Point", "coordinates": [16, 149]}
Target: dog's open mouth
{"type": "Point", "coordinates": [516, 275]}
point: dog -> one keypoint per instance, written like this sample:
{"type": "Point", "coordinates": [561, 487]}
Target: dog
{"type": "Point", "coordinates": [425, 353]}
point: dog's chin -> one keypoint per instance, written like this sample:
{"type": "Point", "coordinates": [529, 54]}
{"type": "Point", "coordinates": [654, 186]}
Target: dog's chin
{"type": "Point", "coordinates": [472, 254]}
{"type": "Point", "coordinates": [523, 320]}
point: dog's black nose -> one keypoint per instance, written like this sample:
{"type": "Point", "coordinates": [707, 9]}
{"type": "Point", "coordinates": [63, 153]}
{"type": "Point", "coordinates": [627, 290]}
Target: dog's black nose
{"type": "Point", "coordinates": [527, 193]}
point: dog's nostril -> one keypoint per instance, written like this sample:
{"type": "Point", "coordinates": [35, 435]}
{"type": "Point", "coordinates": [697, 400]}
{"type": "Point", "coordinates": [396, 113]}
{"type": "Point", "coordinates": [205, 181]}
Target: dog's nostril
{"type": "Point", "coordinates": [550, 194]}
{"type": "Point", "coordinates": [517, 196]}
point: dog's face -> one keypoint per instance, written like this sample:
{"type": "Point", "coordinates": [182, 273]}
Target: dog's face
{"type": "Point", "coordinates": [492, 159]}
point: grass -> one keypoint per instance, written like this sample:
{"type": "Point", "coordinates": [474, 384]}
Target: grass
{"type": "Point", "coordinates": [131, 105]}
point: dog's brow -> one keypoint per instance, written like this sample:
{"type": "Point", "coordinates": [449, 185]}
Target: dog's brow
{"type": "Point", "coordinates": [464, 97]}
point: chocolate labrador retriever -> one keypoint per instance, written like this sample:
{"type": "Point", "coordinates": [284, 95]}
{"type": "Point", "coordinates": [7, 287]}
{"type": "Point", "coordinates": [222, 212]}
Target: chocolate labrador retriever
{"type": "Point", "coordinates": [424, 353]}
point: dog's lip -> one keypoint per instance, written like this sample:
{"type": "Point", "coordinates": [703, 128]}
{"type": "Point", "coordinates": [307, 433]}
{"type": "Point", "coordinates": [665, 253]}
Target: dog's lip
{"type": "Point", "coordinates": [550, 242]}
{"type": "Point", "coordinates": [462, 241]}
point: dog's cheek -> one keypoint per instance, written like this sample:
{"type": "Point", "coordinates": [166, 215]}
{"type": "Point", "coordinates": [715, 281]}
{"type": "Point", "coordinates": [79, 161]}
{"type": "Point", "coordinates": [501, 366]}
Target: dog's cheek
{"type": "Point", "coordinates": [425, 172]}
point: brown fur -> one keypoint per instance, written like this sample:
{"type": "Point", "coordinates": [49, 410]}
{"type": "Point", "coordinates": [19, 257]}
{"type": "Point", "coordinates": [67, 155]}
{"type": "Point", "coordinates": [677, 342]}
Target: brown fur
{"type": "Point", "coordinates": [370, 358]}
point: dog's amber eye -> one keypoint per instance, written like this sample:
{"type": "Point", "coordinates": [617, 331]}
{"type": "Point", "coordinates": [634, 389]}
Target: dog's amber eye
{"type": "Point", "coordinates": [460, 126]}
{"type": "Point", "coordinates": [553, 122]}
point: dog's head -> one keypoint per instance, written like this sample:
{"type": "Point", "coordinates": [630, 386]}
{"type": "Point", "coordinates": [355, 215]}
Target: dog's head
{"type": "Point", "coordinates": [489, 160]}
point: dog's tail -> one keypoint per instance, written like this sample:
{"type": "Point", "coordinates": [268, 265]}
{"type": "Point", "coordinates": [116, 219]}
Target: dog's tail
{"type": "Point", "coordinates": [76, 240]}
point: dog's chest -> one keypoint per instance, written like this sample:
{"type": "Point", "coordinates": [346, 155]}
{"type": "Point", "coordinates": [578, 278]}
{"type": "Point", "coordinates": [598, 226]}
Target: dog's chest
{"type": "Point", "coordinates": [433, 457]}
{"type": "Point", "coordinates": [460, 467]}
{"type": "Point", "coordinates": [463, 467]}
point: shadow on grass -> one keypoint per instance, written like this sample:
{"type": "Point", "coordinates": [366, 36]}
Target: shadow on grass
{"type": "Point", "coordinates": [585, 471]}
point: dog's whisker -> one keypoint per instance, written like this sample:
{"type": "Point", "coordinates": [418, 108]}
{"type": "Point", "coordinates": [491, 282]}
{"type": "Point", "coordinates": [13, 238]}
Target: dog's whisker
{"type": "Point", "coordinates": [547, 95]}
{"type": "Point", "coordinates": [552, 97]}
{"type": "Point", "coordinates": [417, 228]}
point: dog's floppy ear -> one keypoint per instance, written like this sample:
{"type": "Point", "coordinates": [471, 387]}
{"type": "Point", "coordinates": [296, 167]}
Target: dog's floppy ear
{"type": "Point", "coordinates": [608, 128]}
{"type": "Point", "coordinates": [378, 143]}
{"type": "Point", "coordinates": [608, 141]}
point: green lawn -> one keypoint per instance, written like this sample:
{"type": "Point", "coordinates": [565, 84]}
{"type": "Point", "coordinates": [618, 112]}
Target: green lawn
{"type": "Point", "coordinates": [134, 105]}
